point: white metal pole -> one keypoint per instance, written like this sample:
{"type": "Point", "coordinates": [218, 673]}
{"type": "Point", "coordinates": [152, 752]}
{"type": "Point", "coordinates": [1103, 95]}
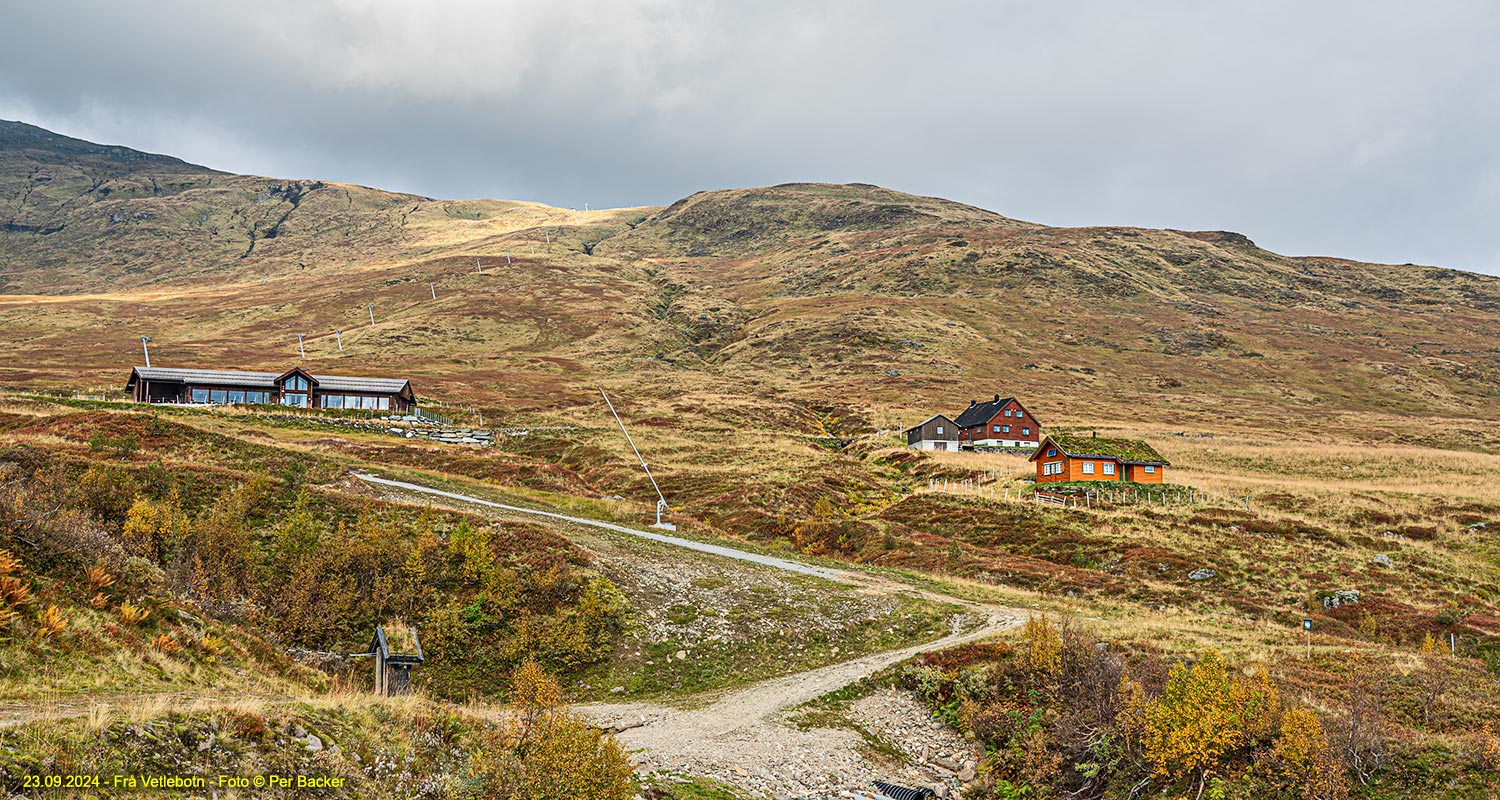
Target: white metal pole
{"type": "Point", "coordinates": [339, 336]}
{"type": "Point", "coordinates": [300, 348]}
{"type": "Point", "coordinates": [433, 286]}
{"type": "Point", "coordinates": [145, 349]}
{"type": "Point", "coordinates": [372, 313]}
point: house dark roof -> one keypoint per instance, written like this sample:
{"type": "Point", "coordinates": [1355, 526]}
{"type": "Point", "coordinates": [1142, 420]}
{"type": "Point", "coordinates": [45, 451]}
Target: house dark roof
{"type": "Point", "coordinates": [1127, 451]}
{"type": "Point", "coordinates": [931, 418]}
{"type": "Point", "coordinates": [980, 413]}
{"type": "Point", "coordinates": [266, 380]}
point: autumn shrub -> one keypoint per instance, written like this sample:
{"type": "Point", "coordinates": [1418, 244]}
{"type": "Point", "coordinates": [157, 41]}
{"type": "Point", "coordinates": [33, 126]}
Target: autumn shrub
{"type": "Point", "coordinates": [1205, 715]}
{"type": "Point", "coordinates": [1361, 735]}
{"type": "Point", "coordinates": [98, 577]}
{"type": "Point", "coordinates": [543, 750]}
{"type": "Point", "coordinates": [211, 644]}
{"type": "Point", "coordinates": [166, 643]}
{"type": "Point", "coordinates": [132, 614]}
{"type": "Point", "coordinates": [154, 529]}
{"type": "Point", "coordinates": [50, 622]}
{"type": "Point", "coordinates": [1305, 761]}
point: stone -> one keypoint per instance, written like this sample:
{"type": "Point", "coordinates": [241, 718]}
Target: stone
{"type": "Point", "coordinates": [206, 744]}
{"type": "Point", "coordinates": [1340, 598]}
{"type": "Point", "coordinates": [1201, 574]}
{"type": "Point", "coordinates": [1382, 559]}
{"type": "Point", "coordinates": [617, 690]}
{"type": "Point", "coordinates": [314, 744]}
{"type": "Point", "coordinates": [681, 655]}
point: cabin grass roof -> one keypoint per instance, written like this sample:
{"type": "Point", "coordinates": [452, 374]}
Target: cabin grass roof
{"type": "Point", "coordinates": [1126, 450]}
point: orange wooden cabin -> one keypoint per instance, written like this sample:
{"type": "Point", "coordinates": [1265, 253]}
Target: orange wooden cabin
{"type": "Point", "coordinates": [1064, 458]}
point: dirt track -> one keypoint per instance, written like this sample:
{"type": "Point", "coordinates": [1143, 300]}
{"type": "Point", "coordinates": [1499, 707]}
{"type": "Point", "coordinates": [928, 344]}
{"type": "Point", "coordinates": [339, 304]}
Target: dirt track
{"type": "Point", "coordinates": [744, 739]}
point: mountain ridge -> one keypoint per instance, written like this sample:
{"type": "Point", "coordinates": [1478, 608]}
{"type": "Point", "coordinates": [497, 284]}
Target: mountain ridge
{"type": "Point", "coordinates": [812, 290]}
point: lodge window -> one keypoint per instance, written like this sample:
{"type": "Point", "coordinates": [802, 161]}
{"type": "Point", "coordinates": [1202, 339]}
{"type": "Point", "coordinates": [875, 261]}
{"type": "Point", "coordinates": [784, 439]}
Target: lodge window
{"type": "Point", "coordinates": [1150, 469]}
{"type": "Point", "coordinates": [1025, 431]}
{"type": "Point", "coordinates": [1005, 428]}
{"type": "Point", "coordinates": [299, 400]}
{"type": "Point", "coordinates": [1109, 468]}
{"type": "Point", "coordinates": [333, 401]}
{"type": "Point", "coordinates": [1007, 412]}
{"type": "Point", "coordinates": [1051, 452]}
{"type": "Point", "coordinates": [257, 397]}
{"type": "Point", "coordinates": [997, 428]}
{"type": "Point", "coordinates": [1088, 468]}
{"type": "Point", "coordinates": [296, 383]}
{"type": "Point", "coordinates": [200, 395]}
{"type": "Point", "coordinates": [236, 397]}
{"type": "Point", "coordinates": [218, 396]}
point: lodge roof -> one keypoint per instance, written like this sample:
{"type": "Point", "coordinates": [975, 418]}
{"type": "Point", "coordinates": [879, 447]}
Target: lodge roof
{"type": "Point", "coordinates": [265, 380]}
{"type": "Point", "coordinates": [1128, 451]}
{"type": "Point", "coordinates": [979, 413]}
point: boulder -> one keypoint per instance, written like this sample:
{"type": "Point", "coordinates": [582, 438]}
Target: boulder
{"type": "Point", "coordinates": [1201, 574]}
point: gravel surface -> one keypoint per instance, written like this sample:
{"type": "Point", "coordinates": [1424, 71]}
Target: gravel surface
{"type": "Point", "coordinates": [744, 738]}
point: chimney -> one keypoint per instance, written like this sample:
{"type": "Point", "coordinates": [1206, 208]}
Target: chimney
{"type": "Point", "coordinates": [997, 398]}
{"type": "Point", "coordinates": [973, 403]}
{"type": "Point", "coordinates": [1095, 434]}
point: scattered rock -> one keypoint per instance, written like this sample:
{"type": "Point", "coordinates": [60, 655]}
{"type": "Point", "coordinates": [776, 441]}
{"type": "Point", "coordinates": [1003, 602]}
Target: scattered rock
{"type": "Point", "coordinates": [1201, 574]}
{"type": "Point", "coordinates": [681, 655]}
{"type": "Point", "coordinates": [1341, 597]}
{"type": "Point", "coordinates": [1382, 560]}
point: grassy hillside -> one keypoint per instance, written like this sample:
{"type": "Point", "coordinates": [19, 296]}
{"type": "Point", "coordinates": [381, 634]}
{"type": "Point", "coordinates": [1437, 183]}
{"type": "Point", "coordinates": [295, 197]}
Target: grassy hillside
{"type": "Point", "coordinates": [1333, 426]}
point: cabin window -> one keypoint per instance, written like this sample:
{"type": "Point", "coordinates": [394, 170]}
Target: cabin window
{"type": "Point", "coordinates": [1109, 468]}
{"type": "Point", "coordinates": [1051, 451]}
{"type": "Point", "coordinates": [298, 400]}
{"type": "Point", "coordinates": [296, 383]}
{"type": "Point", "coordinates": [200, 395]}
{"type": "Point", "coordinates": [333, 401]}
{"type": "Point", "coordinates": [997, 428]}
{"type": "Point", "coordinates": [1088, 468]}
{"type": "Point", "coordinates": [236, 397]}
{"type": "Point", "coordinates": [218, 396]}
{"type": "Point", "coordinates": [1025, 431]}
{"type": "Point", "coordinates": [1150, 469]}
{"type": "Point", "coordinates": [385, 405]}
{"type": "Point", "coordinates": [940, 430]}
{"type": "Point", "coordinates": [1007, 412]}
{"type": "Point", "coordinates": [257, 397]}
{"type": "Point", "coordinates": [367, 403]}
{"type": "Point", "coordinates": [1054, 468]}
{"type": "Point", "coordinates": [1005, 428]}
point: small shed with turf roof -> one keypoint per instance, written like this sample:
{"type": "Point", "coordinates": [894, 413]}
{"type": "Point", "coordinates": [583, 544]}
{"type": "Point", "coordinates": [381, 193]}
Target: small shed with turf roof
{"type": "Point", "coordinates": [1067, 457]}
{"type": "Point", "coordinates": [396, 650]}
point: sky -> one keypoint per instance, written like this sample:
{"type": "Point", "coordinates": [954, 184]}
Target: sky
{"type": "Point", "coordinates": [1367, 130]}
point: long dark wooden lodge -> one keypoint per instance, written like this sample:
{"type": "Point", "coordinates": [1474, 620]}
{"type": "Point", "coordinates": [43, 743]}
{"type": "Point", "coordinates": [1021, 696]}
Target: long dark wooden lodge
{"type": "Point", "coordinates": [295, 387]}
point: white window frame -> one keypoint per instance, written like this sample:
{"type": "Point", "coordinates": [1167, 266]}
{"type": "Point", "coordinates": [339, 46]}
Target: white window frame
{"type": "Point", "coordinates": [1088, 468]}
{"type": "Point", "coordinates": [1150, 469]}
{"type": "Point", "coordinates": [1109, 468]}
{"type": "Point", "coordinates": [940, 430]}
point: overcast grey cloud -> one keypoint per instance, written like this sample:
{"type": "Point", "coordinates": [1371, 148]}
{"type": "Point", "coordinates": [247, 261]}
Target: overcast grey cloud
{"type": "Point", "coordinates": [1369, 129]}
